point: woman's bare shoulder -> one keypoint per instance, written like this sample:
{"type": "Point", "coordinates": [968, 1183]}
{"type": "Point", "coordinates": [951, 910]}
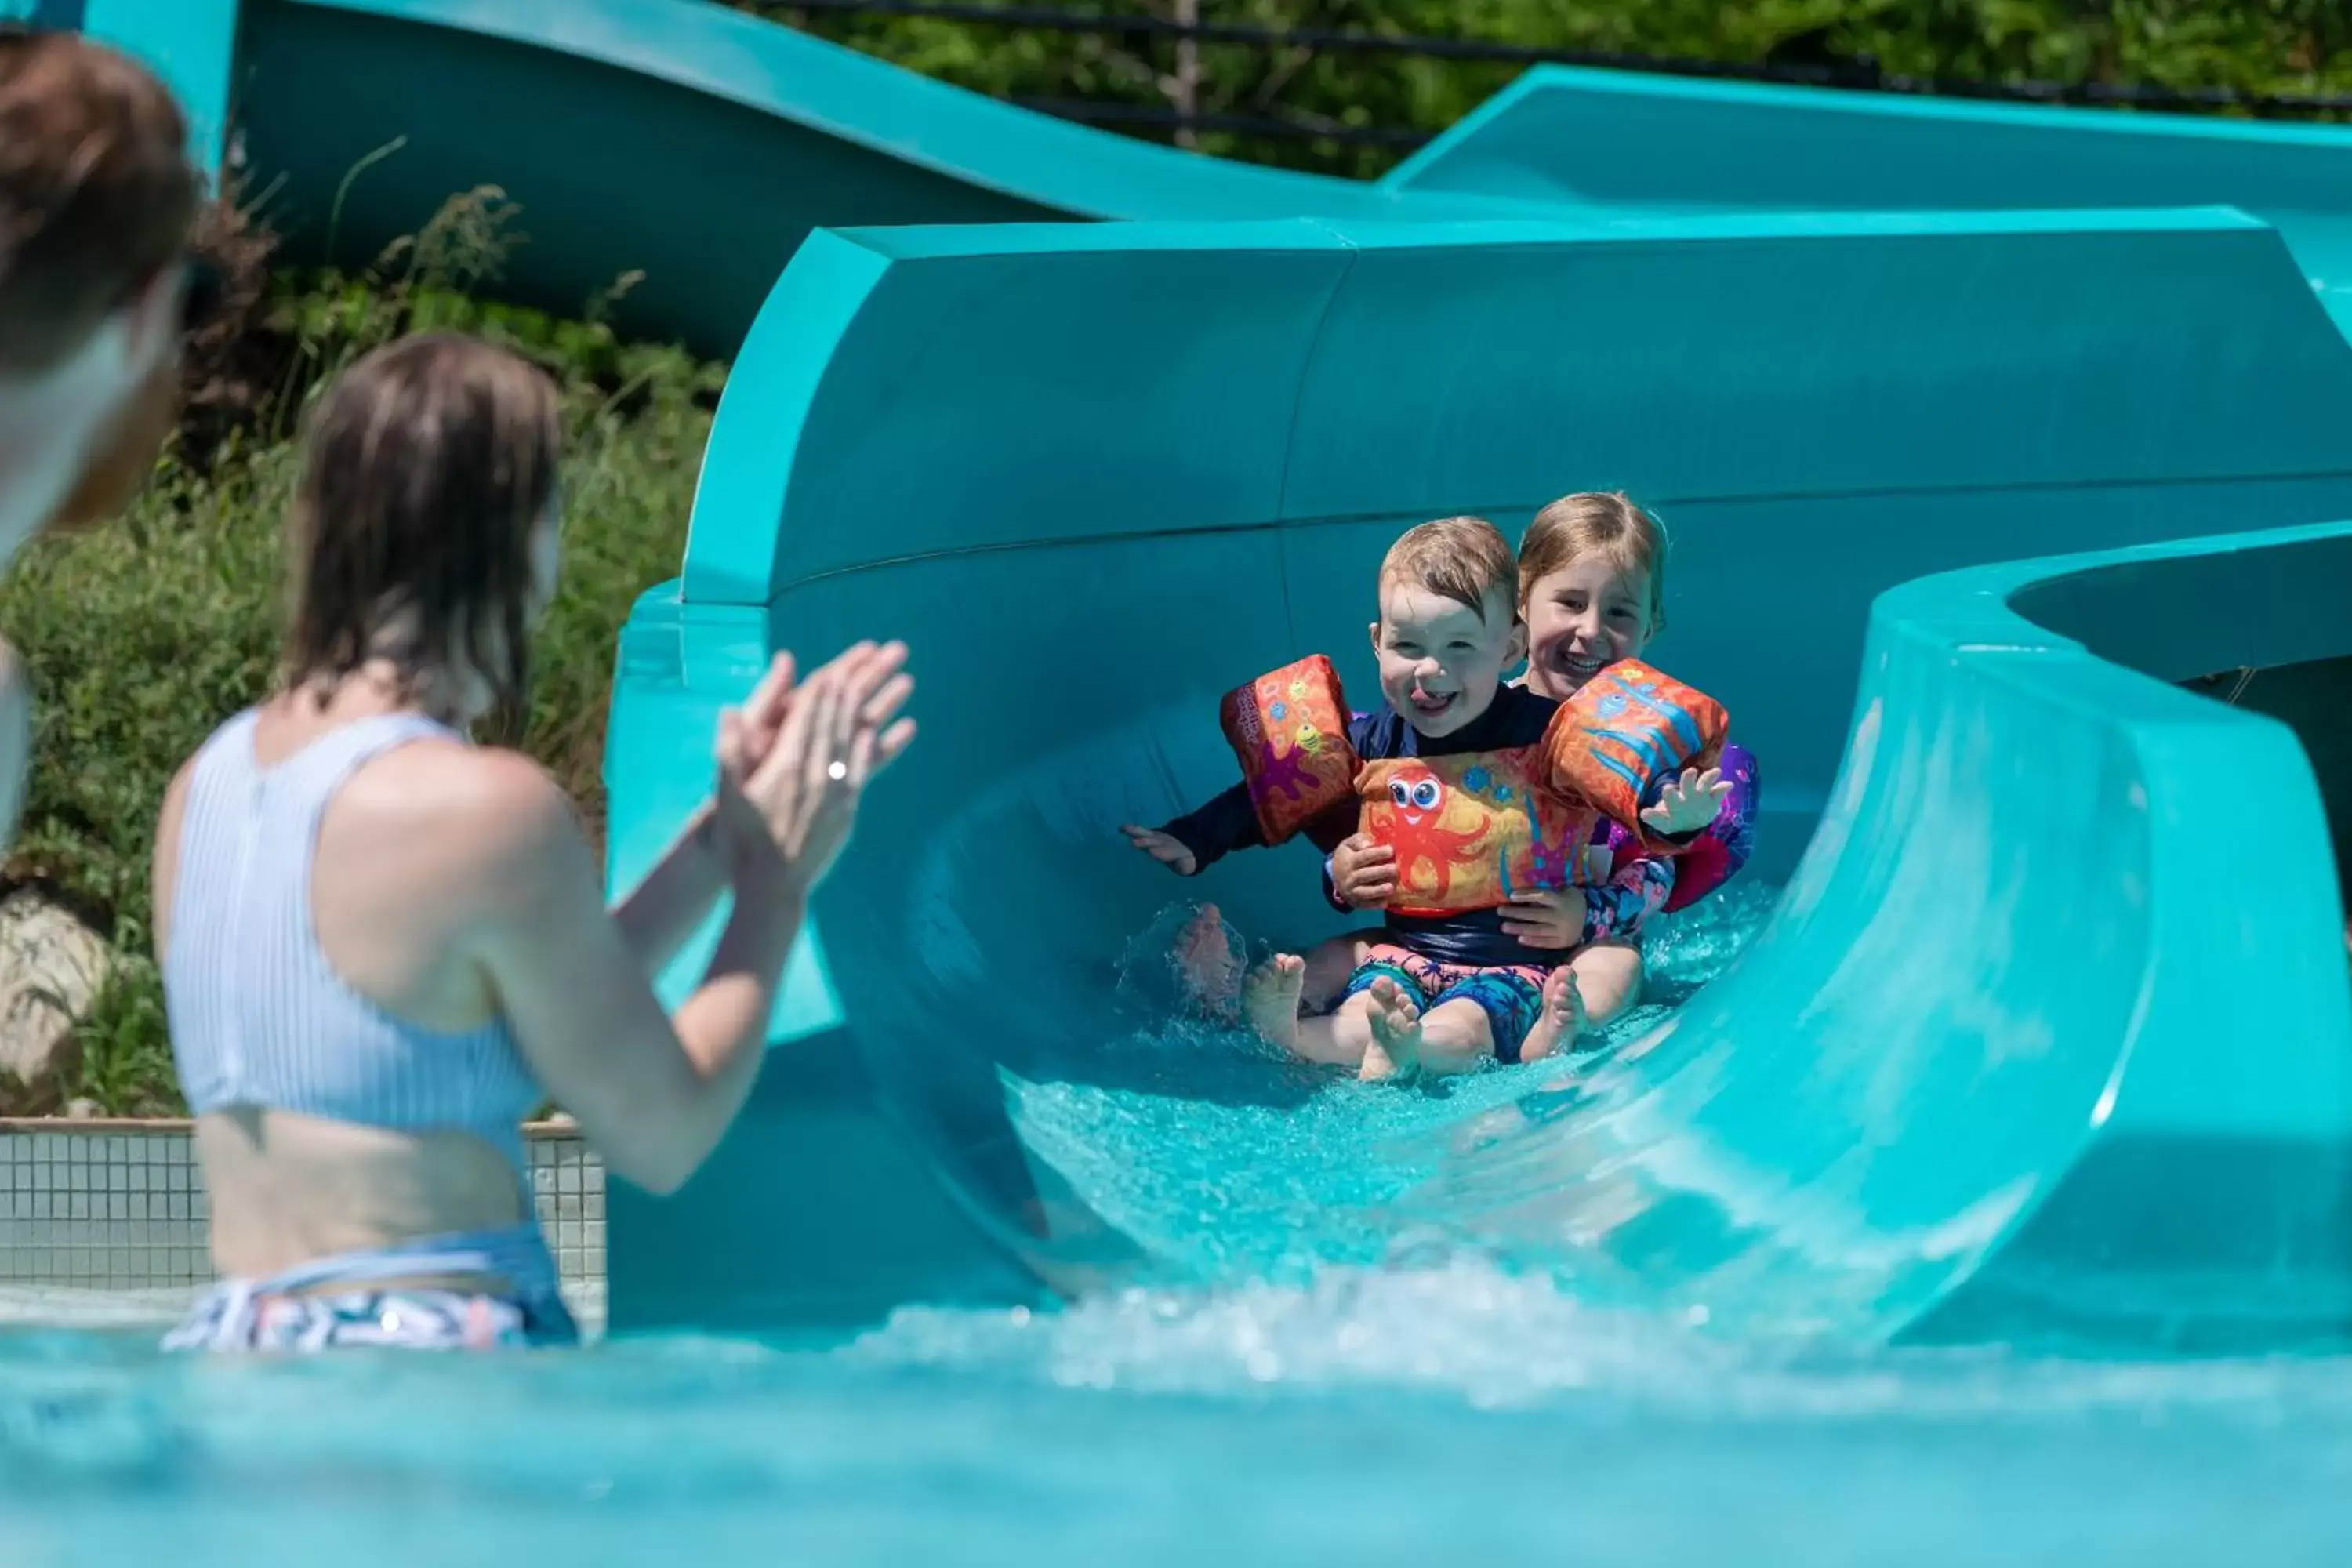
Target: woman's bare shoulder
{"type": "Point", "coordinates": [482, 813]}
{"type": "Point", "coordinates": [453, 787]}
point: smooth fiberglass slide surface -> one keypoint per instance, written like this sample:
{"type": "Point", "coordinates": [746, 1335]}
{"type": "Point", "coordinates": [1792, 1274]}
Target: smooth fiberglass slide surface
{"type": "Point", "coordinates": [1097, 475]}
{"type": "Point", "coordinates": [680, 140]}
{"type": "Point", "coordinates": [1618, 138]}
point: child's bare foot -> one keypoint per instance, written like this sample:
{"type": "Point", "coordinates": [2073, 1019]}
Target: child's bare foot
{"type": "Point", "coordinates": [1206, 965]}
{"type": "Point", "coordinates": [1270, 999]}
{"type": "Point", "coordinates": [1561, 1020]}
{"type": "Point", "coordinates": [1395, 1048]}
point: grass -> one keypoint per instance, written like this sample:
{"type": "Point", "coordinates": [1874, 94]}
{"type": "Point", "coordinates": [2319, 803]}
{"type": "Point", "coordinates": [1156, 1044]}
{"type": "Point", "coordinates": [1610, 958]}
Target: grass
{"type": "Point", "coordinates": [143, 635]}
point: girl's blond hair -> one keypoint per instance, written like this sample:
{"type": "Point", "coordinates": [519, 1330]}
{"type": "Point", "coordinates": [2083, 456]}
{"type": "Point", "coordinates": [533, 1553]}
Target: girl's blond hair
{"type": "Point", "coordinates": [1596, 522]}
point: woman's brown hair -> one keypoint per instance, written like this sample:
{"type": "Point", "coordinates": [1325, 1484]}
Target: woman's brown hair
{"type": "Point", "coordinates": [427, 468]}
{"type": "Point", "coordinates": [97, 192]}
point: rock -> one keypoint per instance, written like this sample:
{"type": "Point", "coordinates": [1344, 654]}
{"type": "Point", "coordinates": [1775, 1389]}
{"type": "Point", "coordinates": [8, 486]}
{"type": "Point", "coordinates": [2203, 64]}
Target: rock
{"type": "Point", "coordinates": [51, 968]}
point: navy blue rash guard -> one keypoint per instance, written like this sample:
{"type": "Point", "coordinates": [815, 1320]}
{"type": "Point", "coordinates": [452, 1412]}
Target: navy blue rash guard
{"type": "Point", "coordinates": [1516, 718]}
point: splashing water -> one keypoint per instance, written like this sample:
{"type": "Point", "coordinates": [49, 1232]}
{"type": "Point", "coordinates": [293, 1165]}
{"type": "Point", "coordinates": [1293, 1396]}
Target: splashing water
{"type": "Point", "coordinates": [1237, 1164]}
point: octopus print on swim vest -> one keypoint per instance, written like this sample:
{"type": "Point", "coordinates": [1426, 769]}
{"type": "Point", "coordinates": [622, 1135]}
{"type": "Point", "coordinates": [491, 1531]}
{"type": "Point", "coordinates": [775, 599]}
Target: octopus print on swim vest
{"type": "Point", "coordinates": [1470, 831]}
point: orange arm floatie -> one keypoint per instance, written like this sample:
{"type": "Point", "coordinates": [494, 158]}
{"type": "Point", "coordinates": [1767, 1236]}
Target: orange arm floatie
{"type": "Point", "coordinates": [1289, 729]}
{"type": "Point", "coordinates": [1624, 733]}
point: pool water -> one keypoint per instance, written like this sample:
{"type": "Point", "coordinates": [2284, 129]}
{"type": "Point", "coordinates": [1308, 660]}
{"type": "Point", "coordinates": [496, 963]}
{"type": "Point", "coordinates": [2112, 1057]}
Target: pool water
{"type": "Point", "coordinates": [1233, 1164]}
{"type": "Point", "coordinates": [1371, 1417]}
{"type": "Point", "coordinates": [1306, 1378]}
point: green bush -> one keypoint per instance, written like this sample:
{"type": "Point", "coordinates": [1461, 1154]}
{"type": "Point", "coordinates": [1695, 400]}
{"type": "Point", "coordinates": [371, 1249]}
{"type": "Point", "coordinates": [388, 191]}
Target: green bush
{"type": "Point", "coordinates": [2259, 47]}
{"type": "Point", "coordinates": [143, 635]}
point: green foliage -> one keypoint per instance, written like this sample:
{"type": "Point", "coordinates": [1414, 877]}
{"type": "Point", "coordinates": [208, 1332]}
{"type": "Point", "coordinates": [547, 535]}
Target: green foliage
{"type": "Point", "coordinates": [2264, 47]}
{"type": "Point", "coordinates": [143, 635]}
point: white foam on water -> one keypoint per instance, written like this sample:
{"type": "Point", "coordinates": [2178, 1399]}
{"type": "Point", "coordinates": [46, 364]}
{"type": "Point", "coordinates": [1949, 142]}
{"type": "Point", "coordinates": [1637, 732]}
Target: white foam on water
{"type": "Point", "coordinates": [1468, 1329]}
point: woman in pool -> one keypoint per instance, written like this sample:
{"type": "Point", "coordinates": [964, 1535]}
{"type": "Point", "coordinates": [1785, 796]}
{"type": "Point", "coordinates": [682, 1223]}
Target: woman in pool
{"type": "Point", "coordinates": [382, 945]}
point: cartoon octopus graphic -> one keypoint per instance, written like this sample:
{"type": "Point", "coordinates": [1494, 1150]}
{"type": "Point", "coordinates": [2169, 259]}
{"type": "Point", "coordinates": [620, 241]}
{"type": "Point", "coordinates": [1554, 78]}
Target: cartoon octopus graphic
{"type": "Point", "coordinates": [1411, 821]}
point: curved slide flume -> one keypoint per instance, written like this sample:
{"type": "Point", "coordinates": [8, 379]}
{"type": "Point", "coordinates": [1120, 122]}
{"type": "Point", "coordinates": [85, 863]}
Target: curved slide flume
{"type": "Point", "coordinates": [2039, 1042]}
{"type": "Point", "coordinates": [679, 139]}
{"type": "Point", "coordinates": [1655, 143]}
{"type": "Point", "coordinates": [1096, 473]}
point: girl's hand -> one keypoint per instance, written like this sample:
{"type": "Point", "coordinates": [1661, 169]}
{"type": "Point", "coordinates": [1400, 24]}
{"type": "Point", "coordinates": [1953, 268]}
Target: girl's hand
{"type": "Point", "coordinates": [1162, 848]}
{"type": "Point", "coordinates": [794, 762]}
{"type": "Point", "coordinates": [1553, 919]}
{"type": "Point", "coordinates": [1687, 804]}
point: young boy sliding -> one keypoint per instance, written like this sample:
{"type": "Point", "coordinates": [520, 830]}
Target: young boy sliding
{"type": "Point", "coordinates": [1435, 993]}
{"type": "Point", "coordinates": [1592, 576]}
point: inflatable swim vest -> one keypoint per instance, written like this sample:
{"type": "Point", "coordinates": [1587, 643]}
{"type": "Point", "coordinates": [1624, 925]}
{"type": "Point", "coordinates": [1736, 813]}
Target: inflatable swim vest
{"type": "Point", "coordinates": [1474, 830]}
{"type": "Point", "coordinates": [1470, 831]}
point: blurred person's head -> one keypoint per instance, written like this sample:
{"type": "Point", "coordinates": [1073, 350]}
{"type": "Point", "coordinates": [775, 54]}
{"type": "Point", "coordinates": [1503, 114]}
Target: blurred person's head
{"type": "Point", "coordinates": [97, 201]}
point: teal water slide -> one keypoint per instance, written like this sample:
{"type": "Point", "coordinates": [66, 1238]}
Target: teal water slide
{"type": "Point", "coordinates": [1962, 1065]}
{"type": "Point", "coordinates": [1655, 143]}
{"type": "Point", "coordinates": [676, 139]}
{"type": "Point", "coordinates": [2049, 1027]}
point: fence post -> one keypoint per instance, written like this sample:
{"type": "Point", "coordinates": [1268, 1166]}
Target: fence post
{"type": "Point", "coordinates": [1185, 87]}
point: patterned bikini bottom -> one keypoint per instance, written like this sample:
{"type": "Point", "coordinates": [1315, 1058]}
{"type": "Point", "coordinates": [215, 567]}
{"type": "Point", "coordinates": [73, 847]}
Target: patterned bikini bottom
{"type": "Point", "coordinates": [329, 1304]}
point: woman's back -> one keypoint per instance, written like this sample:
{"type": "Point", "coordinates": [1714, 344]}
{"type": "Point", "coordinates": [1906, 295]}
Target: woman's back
{"type": "Point", "coordinates": [315, 987]}
{"type": "Point", "coordinates": [382, 946]}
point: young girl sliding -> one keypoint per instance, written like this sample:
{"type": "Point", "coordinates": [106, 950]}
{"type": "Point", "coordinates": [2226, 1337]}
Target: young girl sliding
{"type": "Point", "coordinates": [1591, 578]}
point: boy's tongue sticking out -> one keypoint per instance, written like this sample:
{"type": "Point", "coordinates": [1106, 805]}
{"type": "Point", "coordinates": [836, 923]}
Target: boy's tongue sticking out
{"type": "Point", "coordinates": [1442, 658]}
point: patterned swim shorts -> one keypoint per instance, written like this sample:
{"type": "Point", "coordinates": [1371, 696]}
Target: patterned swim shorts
{"type": "Point", "coordinates": [362, 1300]}
{"type": "Point", "coordinates": [231, 1317]}
{"type": "Point", "coordinates": [1511, 995]}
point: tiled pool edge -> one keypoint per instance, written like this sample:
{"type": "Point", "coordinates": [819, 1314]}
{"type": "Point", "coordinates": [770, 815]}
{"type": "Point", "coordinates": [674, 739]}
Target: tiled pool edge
{"type": "Point", "coordinates": [118, 1205]}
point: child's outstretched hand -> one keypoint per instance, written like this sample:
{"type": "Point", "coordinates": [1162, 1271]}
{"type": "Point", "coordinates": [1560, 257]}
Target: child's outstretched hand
{"type": "Point", "coordinates": [1363, 872]}
{"type": "Point", "coordinates": [1687, 804]}
{"type": "Point", "coordinates": [1162, 848]}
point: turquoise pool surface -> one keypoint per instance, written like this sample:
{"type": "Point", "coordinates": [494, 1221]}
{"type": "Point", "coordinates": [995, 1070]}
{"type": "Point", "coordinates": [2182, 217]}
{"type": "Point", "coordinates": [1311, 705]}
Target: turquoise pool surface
{"type": "Point", "coordinates": [1317, 1375]}
{"type": "Point", "coordinates": [1431, 1415]}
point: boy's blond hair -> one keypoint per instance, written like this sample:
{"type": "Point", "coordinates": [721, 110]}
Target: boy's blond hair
{"type": "Point", "coordinates": [1464, 559]}
{"type": "Point", "coordinates": [1597, 523]}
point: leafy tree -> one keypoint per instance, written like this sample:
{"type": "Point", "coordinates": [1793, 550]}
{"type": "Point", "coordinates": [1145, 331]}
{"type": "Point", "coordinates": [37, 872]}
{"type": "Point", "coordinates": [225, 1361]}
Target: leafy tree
{"type": "Point", "coordinates": [2268, 48]}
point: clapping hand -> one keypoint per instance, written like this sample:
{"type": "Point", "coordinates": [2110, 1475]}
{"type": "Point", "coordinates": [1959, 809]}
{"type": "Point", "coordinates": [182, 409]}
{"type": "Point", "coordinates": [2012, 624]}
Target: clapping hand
{"type": "Point", "coordinates": [795, 760]}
